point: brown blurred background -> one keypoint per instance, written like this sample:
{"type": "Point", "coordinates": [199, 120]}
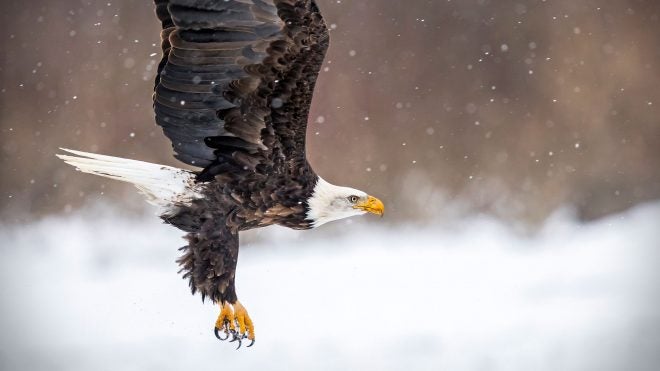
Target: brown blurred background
{"type": "Point", "coordinates": [513, 108]}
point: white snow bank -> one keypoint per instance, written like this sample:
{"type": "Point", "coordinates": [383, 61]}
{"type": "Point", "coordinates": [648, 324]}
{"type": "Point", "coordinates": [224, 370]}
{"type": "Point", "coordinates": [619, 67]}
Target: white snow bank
{"type": "Point", "coordinates": [99, 291]}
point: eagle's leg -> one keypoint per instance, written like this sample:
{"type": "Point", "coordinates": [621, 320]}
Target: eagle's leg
{"type": "Point", "coordinates": [234, 319]}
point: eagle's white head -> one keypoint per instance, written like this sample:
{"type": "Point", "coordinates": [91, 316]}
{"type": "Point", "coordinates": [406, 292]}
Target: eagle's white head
{"type": "Point", "coordinates": [330, 202]}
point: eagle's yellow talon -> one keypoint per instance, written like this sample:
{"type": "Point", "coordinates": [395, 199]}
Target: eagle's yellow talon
{"type": "Point", "coordinates": [234, 319]}
{"type": "Point", "coordinates": [226, 315]}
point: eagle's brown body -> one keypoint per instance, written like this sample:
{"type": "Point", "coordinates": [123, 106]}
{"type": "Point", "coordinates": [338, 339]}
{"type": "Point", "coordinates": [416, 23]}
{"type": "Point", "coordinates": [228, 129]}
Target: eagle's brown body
{"type": "Point", "coordinates": [214, 220]}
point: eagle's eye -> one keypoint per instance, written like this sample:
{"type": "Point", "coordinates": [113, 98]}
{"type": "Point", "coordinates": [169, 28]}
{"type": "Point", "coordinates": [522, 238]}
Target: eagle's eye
{"type": "Point", "coordinates": [353, 199]}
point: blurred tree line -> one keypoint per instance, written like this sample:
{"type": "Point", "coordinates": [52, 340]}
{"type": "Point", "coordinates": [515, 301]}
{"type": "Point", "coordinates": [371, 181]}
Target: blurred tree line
{"type": "Point", "coordinates": [509, 107]}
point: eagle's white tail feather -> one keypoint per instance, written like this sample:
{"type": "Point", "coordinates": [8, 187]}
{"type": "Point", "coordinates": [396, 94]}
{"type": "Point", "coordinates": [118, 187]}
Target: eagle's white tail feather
{"type": "Point", "coordinates": [162, 185]}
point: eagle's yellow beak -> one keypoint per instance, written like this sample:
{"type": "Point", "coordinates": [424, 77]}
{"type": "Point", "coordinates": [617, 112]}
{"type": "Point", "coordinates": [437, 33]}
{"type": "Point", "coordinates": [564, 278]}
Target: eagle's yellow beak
{"type": "Point", "coordinates": [372, 205]}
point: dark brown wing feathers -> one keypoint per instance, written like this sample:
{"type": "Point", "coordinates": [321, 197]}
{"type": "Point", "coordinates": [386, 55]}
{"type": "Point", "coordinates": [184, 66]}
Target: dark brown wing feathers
{"type": "Point", "coordinates": [233, 93]}
{"type": "Point", "coordinates": [236, 81]}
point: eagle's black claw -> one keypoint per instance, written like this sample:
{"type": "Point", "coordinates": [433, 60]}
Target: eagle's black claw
{"type": "Point", "coordinates": [239, 343]}
{"type": "Point", "coordinates": [251, 343]}
{"type": "Point", "coordinates": [217, 334]}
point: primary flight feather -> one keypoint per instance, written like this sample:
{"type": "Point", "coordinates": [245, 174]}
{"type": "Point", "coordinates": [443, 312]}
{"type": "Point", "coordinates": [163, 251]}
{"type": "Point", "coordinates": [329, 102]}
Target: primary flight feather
{"type": "Point", "coordinates": [233, 93]}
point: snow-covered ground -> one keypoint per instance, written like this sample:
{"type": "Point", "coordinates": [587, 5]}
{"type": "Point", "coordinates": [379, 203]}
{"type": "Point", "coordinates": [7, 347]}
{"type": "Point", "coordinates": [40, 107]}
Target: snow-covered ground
{"type": "Point", "coordinates": [99, 291]}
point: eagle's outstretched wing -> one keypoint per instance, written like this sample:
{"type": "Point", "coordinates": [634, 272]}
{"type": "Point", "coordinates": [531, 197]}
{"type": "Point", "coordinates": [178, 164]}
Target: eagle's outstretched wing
{"type": "Point", "coordinates": [235, 85]}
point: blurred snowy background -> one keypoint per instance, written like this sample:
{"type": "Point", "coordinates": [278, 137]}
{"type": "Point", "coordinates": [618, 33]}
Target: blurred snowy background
{"type": "Point", "coordinates": [98, 291]}
{"type": "Point", "coordinates": [516, 144]}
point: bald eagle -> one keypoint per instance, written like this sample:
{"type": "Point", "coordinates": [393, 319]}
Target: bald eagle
{"type": "Point", "coordinates": [233, 93]}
